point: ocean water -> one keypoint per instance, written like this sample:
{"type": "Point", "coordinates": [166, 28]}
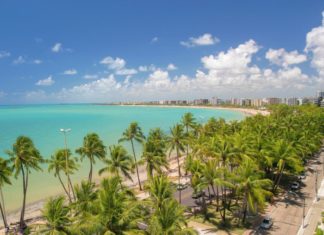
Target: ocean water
{"type": "Point", "coordinates": [42, 124]}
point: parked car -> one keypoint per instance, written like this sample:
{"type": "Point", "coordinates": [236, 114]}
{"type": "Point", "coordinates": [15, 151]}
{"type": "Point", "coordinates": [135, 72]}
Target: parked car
{"type": "Point", "coordinates": [266, 223]}
{"type": "Point", "coordinates": [302, 176]}
{"type": "Point", "coordinates": [295, 186]}
{"type": "Point", "coordinates": [182, 186]}
{"type": "Point", "coordinates": [197, 195]}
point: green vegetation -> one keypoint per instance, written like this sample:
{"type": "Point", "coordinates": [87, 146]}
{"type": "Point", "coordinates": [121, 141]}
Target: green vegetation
{"type": "Point", "coordinates": [233, 168]}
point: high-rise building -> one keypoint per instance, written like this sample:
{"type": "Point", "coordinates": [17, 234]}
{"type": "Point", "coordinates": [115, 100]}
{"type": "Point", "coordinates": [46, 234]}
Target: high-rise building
{"type": "Point", "coordinates": [257, 102]}
{"type": "Point", "coordinates": [201, 101]}
{"type": "Point", "coordinates": [273, 100]}
{"type": "Point", "coordinates": [291, 101]}
{"type": "Point", "coordinates": [320, 94]}
{"type": "Point", "coordinates": [319, 98]}
{"type": "Point", "coordinates": [215, 101]}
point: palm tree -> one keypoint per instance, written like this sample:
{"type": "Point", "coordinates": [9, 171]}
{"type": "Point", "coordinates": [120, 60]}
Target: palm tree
{"type": "Point", "coordinates": [86, 194]}
{"type": "Point", "coordinates": [118, 163]}
{"type": "Point", "coordinates": [25, 157]}
{"type": "Point", "coordinates": [118, 210]}
{"type": "Point", "coordinates": [169, 219]}
{"type": "Point", "coordinates": [92, 148]}
{"type": "Point", "coordinates": [134, 133]}
{"type": "Point", "coordinates": [5, 173]}
{"type": "Point", "coordinates": [160, 189]}
{"type": "Point", "coordinates": [57, 220]}
{"type": "Point", "coordinates": [176, 142]}
{"type": "Point", "coordinates": [284, 155]}
{"type": "Point", "coordinates": [57, 163]}
{"type": "Point", "coordinates": [155, 158]}
{"type": "Point", "coordinates": [252, 187]}
{"type": "Point", "coordinates": [189, 122]}
{"type": "Point", "coordinates": [223, 150]}
{"type": "Point", "coordinates": [211, 175]}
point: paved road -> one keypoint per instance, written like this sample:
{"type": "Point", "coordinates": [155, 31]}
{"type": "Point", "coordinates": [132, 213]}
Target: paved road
{"type": "Point", "coordinates": [288, 213]}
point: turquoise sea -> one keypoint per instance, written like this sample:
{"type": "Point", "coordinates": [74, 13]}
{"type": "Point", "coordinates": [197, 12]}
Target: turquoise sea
{"type": "Point", "coordinates": [42, 124]}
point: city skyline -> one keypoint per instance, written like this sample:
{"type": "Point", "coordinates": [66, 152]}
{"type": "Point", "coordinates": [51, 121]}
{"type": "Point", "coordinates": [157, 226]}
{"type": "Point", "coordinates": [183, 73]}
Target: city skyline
{"type": "Point", "coordinates": [111, 52]}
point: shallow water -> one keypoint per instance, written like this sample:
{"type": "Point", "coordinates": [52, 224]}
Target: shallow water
{"type": "Point", "coordinates": [42, 124]}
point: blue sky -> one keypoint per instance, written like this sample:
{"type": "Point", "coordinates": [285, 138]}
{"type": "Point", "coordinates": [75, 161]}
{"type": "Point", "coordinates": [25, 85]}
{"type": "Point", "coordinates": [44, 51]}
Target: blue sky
{"type": "Point", "coordinates": [102, 51]}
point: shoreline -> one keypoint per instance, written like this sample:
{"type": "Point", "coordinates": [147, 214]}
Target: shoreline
{"type": "Point", "coordinates": [245, 111]}
{"type": "Point", "coordinates": [33, 209]}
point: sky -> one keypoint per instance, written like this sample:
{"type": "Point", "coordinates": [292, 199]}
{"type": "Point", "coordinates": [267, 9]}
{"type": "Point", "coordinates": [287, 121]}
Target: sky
{"type": "Point", "coordinates": [108, 51]}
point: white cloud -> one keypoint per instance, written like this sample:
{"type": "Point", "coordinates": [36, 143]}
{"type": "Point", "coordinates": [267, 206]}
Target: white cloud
{"type": "Point", "coordinates": [126, 72]}
{"type": "Point", "coordinates": [19, 60]}
{"type": "Point", "coordinates": [204, 40]}
{"type": "Point", "coordinates": [90, 76]}
{"type": "Point", "coordinates": [283, 58]}
{"type": "Point", "coordinates": [118, 65]}
{"type": "Point", "coordinates": [4, 54]}
{"type": "Point", "coordinates": [228, 73]}
{"type": "Point", "coordinates": [235, 60]}
{"type": "Point", "coordinates": [37, 61]}
{"type": "Point", "coordinates": [144, 68]}
{"type": "Point", "coordinates": [70, 72]}
{"type": "Point", "coordinates": [154, 40]}
{"type": "Point", "coordinates": [57, 47]}
{"type": "Point", "coordinates": [158, 80]}
{"type": "Point", "coordinates": [46, 82]}
{"type": "Point", "coordinates": [315, 45]}
{"type": "Point", "coordinates": [112, 63]}
{"type": "Point", "coordinates": [171, 67]}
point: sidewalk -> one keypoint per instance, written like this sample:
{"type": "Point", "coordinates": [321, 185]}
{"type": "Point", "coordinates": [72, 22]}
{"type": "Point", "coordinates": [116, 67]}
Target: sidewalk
{"type": "Point", "coordinates": [288, 217]}
{"type": "Point", "coordinates": [313, 217]}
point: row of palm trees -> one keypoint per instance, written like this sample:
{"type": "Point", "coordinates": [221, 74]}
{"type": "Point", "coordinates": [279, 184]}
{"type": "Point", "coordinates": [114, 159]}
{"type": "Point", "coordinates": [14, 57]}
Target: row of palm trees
{"type": "Point", "coordinates": [238, 165]}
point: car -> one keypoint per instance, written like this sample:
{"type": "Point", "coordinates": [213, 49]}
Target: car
{"type": "Point", "coordinates": [266, 223]}
{"type": "Point", "coordinates": [182, 186]}
{"type": "Point", "coordinates": [197, 195]}
{"type": "Point", "coordinates": [295, 186]}
{"type": "Point", "coordinates": [302, 176]}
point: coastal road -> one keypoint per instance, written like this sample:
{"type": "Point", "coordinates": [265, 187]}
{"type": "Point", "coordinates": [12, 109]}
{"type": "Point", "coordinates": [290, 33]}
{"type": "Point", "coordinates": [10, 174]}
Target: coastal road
{"type": "Point", "coordinates": [288, 210]}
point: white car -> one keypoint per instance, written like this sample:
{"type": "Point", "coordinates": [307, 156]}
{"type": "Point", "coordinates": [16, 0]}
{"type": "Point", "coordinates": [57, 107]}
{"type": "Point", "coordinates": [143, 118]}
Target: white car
{"type": "Point", "coordinates": [302, 176]}
{"type": "Point", "coordinates": [295, 186]}
{"type": "Point", "coordinates": [266, 223]}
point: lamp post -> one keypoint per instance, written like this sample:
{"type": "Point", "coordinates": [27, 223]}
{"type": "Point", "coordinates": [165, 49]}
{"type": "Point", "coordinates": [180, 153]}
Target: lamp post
{"type": "Point", "coordinates": [65, 131]}
{"type": "Point", "coordinates": [316, 178]}
{"type": "Point", "coordinates": [304, 207]}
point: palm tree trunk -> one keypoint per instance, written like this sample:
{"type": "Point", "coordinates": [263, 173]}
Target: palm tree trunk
{"type": "Point", "coordinates": [3, 216]}
{"type": "Point", "coordinates": [224, 203]}
{"type": "Point", "coordinates": [65, 190]}
{"type": "Point", "coordinates": [179, 174]}
{"type": "Point", "coordinates": [71, 185]}
{"type": "Point", "coordinates": [22, 224]}
{"type": "Point", "coordinates": [90, 172]}
{"type": "Point", "coordinates": [138, 178]}
{"type": "Point", "coordinates": [244, 207]}
{"type": "Point", "coordinates": [3, 209]}
{"type": "Point", "coordinates": [209, 196]}
{"type": "Point", "coordinates": [187, 147]}
{"type": "Point", "coordinates": [217, 196]}
{"type": "Point", "coordinates": [279, 177]}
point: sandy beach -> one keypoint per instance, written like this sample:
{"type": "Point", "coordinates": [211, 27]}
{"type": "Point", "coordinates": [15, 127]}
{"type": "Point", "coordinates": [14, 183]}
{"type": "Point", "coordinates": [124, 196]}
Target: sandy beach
{"type": "Point", "coordinates": [34, 210]}
{"type": "Point", "coordinates": [245, 111]}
